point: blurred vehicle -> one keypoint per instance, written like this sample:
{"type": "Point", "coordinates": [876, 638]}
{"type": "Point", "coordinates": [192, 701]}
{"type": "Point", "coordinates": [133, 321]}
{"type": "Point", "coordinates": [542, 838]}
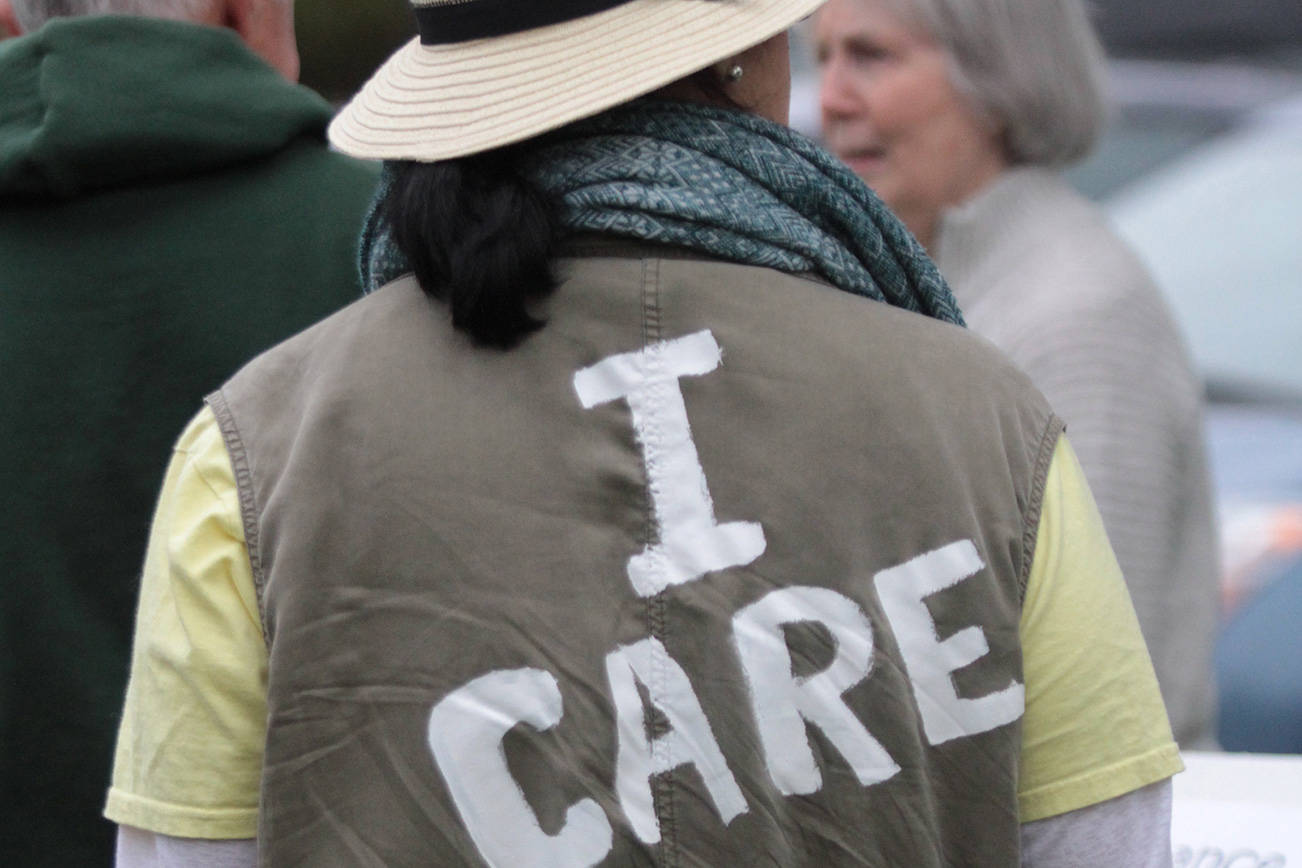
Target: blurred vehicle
{"type": "Point", "coordinates": [1184, 28]}
{"type": "Point", "coordinates": [1202, 173]}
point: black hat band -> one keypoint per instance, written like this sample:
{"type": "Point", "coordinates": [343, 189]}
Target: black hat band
{"type": "Point", "coordinates": [443, 23]}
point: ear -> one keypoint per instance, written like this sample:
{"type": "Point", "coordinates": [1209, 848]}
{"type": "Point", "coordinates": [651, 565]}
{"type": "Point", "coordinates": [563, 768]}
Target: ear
{"type": "Point", "coordinates": [238, 15]}
{"type": "Point", "coordinates": [8, 21]}
{"type": "Point", "coordinates": [267, 28]}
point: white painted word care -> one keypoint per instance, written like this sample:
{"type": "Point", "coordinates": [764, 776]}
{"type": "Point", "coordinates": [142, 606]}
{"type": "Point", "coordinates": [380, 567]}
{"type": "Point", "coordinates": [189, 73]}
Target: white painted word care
{"type": "Point", "coordinates": [467, 726]}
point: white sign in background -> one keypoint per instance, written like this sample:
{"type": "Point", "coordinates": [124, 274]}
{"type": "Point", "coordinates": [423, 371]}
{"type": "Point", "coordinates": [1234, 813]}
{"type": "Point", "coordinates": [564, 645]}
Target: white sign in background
{"type": "Point", "coordinates": [1237, 811]}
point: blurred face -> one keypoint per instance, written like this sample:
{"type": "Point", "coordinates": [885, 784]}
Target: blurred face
{"type": "Point", "coordinates": [890, 112]}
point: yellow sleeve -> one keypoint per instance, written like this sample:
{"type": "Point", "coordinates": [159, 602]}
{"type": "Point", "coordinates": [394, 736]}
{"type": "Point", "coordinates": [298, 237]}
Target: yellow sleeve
{"type": "Point", "coordinates": [1095, 727]}
{"type": "Point", "coordinates": [189, 750]}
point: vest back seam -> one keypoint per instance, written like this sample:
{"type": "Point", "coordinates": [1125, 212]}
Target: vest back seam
{"type": "Point", "coordinates": [657, 606]}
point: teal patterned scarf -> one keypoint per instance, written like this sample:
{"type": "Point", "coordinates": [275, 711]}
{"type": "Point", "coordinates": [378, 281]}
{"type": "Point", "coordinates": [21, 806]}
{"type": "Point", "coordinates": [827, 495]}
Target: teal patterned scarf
{"type": "Point", "coordinates": [728, 184]}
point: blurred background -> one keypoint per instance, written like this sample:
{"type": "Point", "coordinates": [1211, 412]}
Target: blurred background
{"type": "Point", "coordinates": [341, 42]}
{"type": "Point", "coordinates": [1202, 172]}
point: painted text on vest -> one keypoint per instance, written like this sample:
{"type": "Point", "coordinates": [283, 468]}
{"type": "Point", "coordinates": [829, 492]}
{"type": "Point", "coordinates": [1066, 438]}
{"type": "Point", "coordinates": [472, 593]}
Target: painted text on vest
{"type": "Point", "coordinates": [466, 727]}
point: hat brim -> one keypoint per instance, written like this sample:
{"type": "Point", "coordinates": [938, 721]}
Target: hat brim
{"type": "Point", "coordinates": [436, 102]}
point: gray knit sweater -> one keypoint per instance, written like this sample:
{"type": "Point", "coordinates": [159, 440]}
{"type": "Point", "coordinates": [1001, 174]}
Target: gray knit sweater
{"type": "Point", "coordinates": [1037, 270]}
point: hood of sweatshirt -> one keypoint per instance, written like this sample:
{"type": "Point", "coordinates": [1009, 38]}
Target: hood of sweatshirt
{"type": "Point", "coordinates": [109, 101]}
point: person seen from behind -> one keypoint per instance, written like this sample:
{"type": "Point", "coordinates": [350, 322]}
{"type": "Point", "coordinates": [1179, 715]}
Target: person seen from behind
{"type": "Point", "coordinates": [169, 208]}
{"type": "Point", "coordinates": [958, 113]}
{"type": "Point", "coordinates": [652, 508]}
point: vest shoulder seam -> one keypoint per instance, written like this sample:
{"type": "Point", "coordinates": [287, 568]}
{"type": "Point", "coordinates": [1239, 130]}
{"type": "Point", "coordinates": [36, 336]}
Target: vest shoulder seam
{"type": "Point", "coordinates": [1053, 429]}
{"type": "Point", "coordinates": [248, 506]}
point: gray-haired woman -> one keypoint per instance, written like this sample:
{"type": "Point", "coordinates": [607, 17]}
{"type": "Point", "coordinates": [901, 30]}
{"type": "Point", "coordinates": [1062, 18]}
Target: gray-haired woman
{"type": "Point", "coordinates": [651, 510]}
{"type": "Point", "coordinates": [958, 113]}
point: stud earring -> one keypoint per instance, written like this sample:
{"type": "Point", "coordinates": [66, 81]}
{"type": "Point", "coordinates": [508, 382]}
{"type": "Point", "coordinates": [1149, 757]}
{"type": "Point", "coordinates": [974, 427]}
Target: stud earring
{"type": "Point", "coordinates": [734, 73]}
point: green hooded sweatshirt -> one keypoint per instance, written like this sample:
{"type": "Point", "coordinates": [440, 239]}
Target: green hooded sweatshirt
{"type": "Point", "coordinates": [168, 209]}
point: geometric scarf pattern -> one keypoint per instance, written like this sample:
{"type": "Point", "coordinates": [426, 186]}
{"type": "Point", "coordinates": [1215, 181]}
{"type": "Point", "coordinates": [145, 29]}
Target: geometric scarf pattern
{"type": "Point", "coordinates": [724, 183]}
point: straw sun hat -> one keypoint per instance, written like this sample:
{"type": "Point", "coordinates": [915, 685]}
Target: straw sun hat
{"type": "Point", "coordinates": [487, 73]}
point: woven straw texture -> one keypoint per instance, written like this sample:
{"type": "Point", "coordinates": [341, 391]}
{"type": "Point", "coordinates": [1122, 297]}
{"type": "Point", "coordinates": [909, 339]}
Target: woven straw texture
{"type": "Point", "coordinates": [435, 102]}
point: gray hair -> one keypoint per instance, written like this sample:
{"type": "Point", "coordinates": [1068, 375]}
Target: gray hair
{"type": "Point", "coordinates": [1033, 67]}
{"type": "Point", "coordinates": [31, 14]}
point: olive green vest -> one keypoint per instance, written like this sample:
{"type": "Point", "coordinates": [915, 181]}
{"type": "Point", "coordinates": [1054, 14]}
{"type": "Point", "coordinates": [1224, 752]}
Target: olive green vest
{"type": "Point", "coordinates": [722, 567]}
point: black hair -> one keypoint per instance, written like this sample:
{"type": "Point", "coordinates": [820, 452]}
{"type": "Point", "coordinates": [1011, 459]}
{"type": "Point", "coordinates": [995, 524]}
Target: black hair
{"type": "Point", "coordinates": [479, 236]}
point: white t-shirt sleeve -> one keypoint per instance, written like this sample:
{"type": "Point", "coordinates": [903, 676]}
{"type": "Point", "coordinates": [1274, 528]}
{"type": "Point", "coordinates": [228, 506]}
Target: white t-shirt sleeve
{"type": "Point", "coordinates": [1132, 830]}
{"type": "Point", "coordinates": [140, 849]}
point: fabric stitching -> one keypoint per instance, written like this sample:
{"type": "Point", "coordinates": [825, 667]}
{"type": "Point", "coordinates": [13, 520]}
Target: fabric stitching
{"type": "Point", "coordinates": [1115, 779]}
{"type": "Point", "coordinates": [1031, 517]}
{"type": "Point", "coordinates": [248, 500]}
{"type": "Point", "coordinates": [652, 333]}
